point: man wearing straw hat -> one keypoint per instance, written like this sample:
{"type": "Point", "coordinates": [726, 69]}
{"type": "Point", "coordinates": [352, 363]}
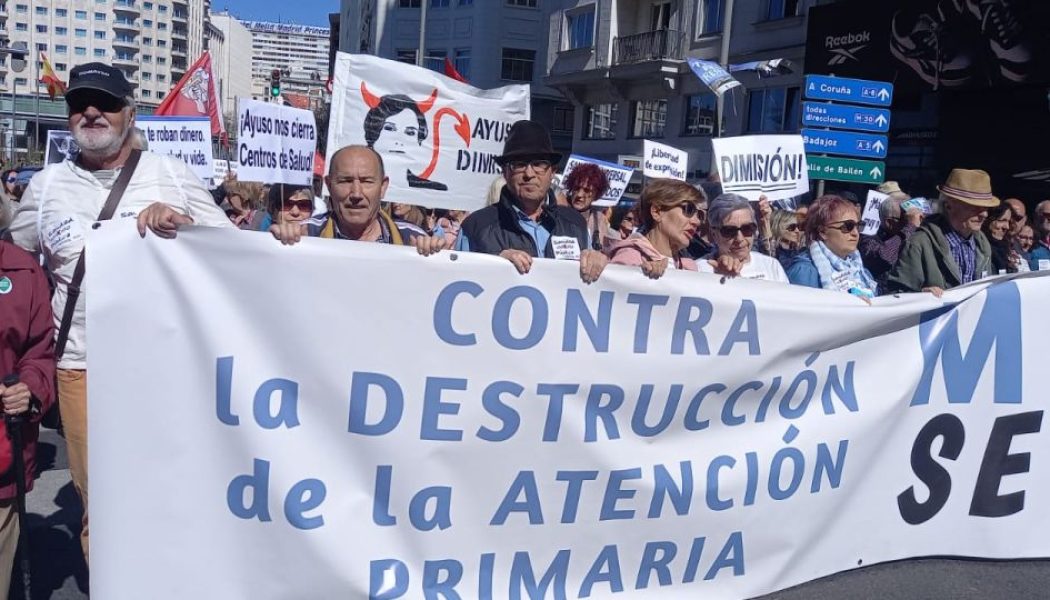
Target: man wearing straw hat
{"type": "Point", "coordinates": [949, 249]}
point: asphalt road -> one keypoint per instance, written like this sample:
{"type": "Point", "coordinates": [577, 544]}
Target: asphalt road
{"type": "Point", "coordinates": [59, 572]}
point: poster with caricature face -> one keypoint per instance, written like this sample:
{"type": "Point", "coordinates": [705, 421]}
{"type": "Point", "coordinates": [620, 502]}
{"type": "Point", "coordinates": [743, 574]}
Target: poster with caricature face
{"type": "Point", "coordinates": [439, 138]}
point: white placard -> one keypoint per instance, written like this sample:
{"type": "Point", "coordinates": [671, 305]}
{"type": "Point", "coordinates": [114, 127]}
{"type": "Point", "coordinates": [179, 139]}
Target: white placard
{"type": "Point", "coordinates": [617, 175]}
{"type": "Point", "coordinates": [275, 144]}
{"type": "Point", "coordinates": [185, 138]}
{"type": "Point", "coordinates": [773, 166]}
{"type": "Point", "coordinates": [60, 146]}
{"type": "Point", "coordinates": [661, 160]}
{"type": "Point", "coordinates": [676, 439]}
{"type": "Point", "coordinates": [439, 138]}
{"type": "Point", "coordinates": [871, 218]}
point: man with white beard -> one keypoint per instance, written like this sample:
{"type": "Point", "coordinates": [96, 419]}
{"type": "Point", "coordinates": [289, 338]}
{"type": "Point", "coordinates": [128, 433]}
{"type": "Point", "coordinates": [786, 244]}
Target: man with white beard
{"type": "Point", "coordinates": [63, 201]}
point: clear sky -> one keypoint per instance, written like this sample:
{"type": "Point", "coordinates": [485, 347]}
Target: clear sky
{"type": "Point", "coordinates": [300, 12]}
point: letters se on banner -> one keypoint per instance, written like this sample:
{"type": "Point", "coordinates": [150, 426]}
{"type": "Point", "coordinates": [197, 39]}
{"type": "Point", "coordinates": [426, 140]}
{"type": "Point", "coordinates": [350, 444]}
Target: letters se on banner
{"type": "Point", "coordinates": [275, 144]}
{"type": "Point", "coordinates": [185, 138]}
{"type": "Point", "coordinates": [439, 138]}
{"type": "Point", "coordinates": [661, 160]}
{"type": "Point", "coordinates": [617, 175]}
{"type": "Point", "coordinates": [534, 437]}
{"type": "Point", "coordinates": [773, 166]}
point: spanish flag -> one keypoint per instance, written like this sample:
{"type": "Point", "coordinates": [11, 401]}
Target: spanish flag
{"type": "Point", "coordinates": [54, 84]}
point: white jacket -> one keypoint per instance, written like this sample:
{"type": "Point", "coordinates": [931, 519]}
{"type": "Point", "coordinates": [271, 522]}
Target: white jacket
{"type": "Point", "coordinates": [62, 202]}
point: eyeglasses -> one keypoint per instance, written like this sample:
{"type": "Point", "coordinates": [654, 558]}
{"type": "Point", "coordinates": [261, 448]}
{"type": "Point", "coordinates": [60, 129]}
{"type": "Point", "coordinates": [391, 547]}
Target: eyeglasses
{"type": "Point", "coordinates": [690, 210]}
{"type": "Point", "coordinates": [1017, 218]}
{"type": "Point", "coordinates": [844, 226]}
{"type": "Point", "coordinates": [305, 205]}
{"type": "Point", "coordinates": [11, 179]}
{"type": "Point", "coordinates": [104, 102]}
{"type": "Point", "coordinates": [628, 218]}
{"type": "Point", "coordinates": [729, 232]}
{"type": "Point", "coordinates": [540, 166]}
{"type": "Point", "coordinates": [792, 227]}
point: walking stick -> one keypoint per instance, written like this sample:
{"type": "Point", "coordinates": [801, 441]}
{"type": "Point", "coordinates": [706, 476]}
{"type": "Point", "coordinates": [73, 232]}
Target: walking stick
{"type": "Point", "coordinates": [14, 433]}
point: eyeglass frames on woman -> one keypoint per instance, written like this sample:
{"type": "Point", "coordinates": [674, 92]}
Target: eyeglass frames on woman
{"type": "Point", "coordinates": [792, 227]}
{"type": "Point", "coordinates": [730, 232]}
{"type": "Point", "coordinates": [690, 210]}
{"type": "Point", "coordinates": [843, 226]}
{"type": "Point", "coordinates": [305, 206]}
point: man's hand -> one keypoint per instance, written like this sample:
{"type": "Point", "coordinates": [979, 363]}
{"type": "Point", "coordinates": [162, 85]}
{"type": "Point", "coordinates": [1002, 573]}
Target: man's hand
{"type": "Point", "coordinates": [429, 245]}
{"type": "Point", "coordinates": [521, 260]}
{"type": "Point", "coordinates": [654, 269]}
{"type": "Point", "coordinates": [592, 263]}
{"type": "Point", "coordinates": [764, 209]}
{"type": "Point", "coordinates": [936, 291]}
{"type": "Point", "coordinates": [727, 265]}
{"type": "Point", "coordinates": [162, 220]}
{"type": "Point", "coordinates": [15, 398]}
{"type": "Point", "coordinates": [288, 233]}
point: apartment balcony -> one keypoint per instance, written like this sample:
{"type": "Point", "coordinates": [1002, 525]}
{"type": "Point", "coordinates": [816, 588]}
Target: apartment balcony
{"type": "Point", "coordinates": [650, 46]}
{"type": "Point", "coordinates": [180, 16]}
{"type": "Point", "coordinates": [126, 42]}
{"type": "Point", "coordinates": [179, 52]}
{"type": "Point", "coordinates": [126, 7]}
{"type": "Point", "coordinates": [126, 24]}
{"type": "Point", "coordinates": [179, 33]}
{"type": "Point", "coordinates": [126, 62]}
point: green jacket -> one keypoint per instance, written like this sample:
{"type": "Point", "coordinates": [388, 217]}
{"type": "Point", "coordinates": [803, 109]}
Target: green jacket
{"type": "Point", "coordinates": [926, 260]}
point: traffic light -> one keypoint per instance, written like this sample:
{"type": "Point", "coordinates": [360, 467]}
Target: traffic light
{"type": "Point", "coordinates": [275, 83]}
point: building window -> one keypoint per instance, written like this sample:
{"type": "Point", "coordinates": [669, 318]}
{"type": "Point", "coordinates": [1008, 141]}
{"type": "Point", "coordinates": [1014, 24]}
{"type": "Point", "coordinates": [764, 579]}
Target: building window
{"type": "Point", "coordinates": [517, 64]}
{"type": "Point", "coordinates": [162, 26]}
{"type": "Point", "coordinates": [161, 60]}
{"type": "Point", "coordinates": [660, 16]}
{"type": "Point", "coordinates": [41, 28]}
{"type": "Point", "coordinates": [160, 95]}
{"type": "Point", "coordinates": [100, 53]}
{"type": "Point", "coordinates": [61, 49]}
{"type": "Point", "coordinates": [61, 31]}
{"type": "Point", "coordinates": [146, 58]}
{"type": "Point", "coordinates": [581, 28]}
{"type": "Point", "coordinates": [147, 23]}
{"type": "Point", "coordinates": [80, 33]}
{"type": "Point", "coordinates": [21, 8]}
{"type": "Point", "coordinates": [21, 26]}
{"type": "Point", "coordinates": [100, 35]}
{"type": "Point", "coordinates": [601, 122]}
{"type": "Point", "coordinates": [462, 61]}
{"type": "Point", "coordinates": [709, 17]}
{"type": "Point", "coordinates": [80, 14]}
{"type": "Point", "coordinates": [407, 56]}
{"type": "Point", "coordinates": [146, 41]}
{"type": "Point", "coordinates": [466, 2]}
{"type": "Point", "coordinates": [700, 114]}
{"type": "Point", "coordinates": [161, 76]}
{"type": "Point", "coordinates": [147, 77]}
{"type": "Point", "coordinates": [162, 9]}
{"type": "Point", "coordinates": [61, 66]}
{"type": "Point", "coordinates": [435, 60]}
{"type": "Point", "coordinates": [41, 48]}
{"type": "Point", "coordinates": [779, 9]}
{"type": "Point", "coordinates": [61, 12]}
{"type": "Point", "coordinates": [773, 110]}
{"type": "Point", "coordinates": [147, 5]}
{"type": "Point", "coordinates": [146, 93]}
{"type": "Point", "coordinates": [80, 51]}
{"type": "Point", "coordinates": [162, 43]}
{"type": "Point", "coordinates": [563, 118]}
{"type": "Point", "coordinates": [439, 3]}
{"type": "Point", "coordinates": [21, 81]}
{"type": "Point", "coordinates": [648, 118]}
{"type": "Point", "coordinates": [100, 16]}
{"type": "Point", "coordinates": [525, 3]}
{"type": "Point", "coordinates": [408, 3]}
{"type": "Point", "coordinates": [41, 10]}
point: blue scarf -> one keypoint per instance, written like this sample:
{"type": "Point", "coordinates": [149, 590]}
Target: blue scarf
{"type": "Point", "coordinates": [842, 274]}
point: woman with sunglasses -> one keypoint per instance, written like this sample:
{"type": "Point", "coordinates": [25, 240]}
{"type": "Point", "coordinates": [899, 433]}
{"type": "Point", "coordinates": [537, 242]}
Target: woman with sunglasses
{"type": "Point", "coordinates": [832, 261]}
{"type": "Point", "coordinates": [670, 215]}
{"type": "Point", "coordinates": [1006, 257]}
{"type": "Point", "coordinates": [732, 224]}
{"type": "Point", "coordinates": [8, 199]}
{"type": "Point", "coordinates": [288, 204]}
{"type": "Point", "coordinates": [787, 237]}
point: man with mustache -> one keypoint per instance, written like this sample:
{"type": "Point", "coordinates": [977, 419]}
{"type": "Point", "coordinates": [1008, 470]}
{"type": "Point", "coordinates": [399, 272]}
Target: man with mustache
{"type": "Point", "coordinates": [63, 201]}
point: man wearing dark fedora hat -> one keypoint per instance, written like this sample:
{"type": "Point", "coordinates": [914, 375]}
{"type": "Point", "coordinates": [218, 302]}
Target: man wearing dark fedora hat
{"type": "Point", "coordinates": [526, 223]}
{"type": "Point", "coordinates": [949, 249]}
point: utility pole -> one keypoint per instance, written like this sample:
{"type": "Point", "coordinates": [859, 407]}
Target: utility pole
{"type": "Point", "coordinates": [723, 59]}
{"type": "Point", "coordinates": [422, 32]}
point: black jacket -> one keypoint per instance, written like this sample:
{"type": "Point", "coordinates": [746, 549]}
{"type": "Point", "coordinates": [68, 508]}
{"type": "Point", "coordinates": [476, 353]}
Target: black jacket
{"type": "Point", "coordinates": [495, 228]}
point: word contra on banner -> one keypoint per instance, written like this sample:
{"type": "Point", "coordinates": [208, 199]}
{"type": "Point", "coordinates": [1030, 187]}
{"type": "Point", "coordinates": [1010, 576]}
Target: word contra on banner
{"type": "Point", "coordinates": [661, 160]}
{"type": "Point", "coordinates": [439, 138]}
{"type": "Point", "coordinates": [275, 143]}
{"type": "Point", "coordinates": [773, 166]}
{"type": "Point", "coordinates": [185, 138]}
{"type": "Point", "coordinates": [618, 177]}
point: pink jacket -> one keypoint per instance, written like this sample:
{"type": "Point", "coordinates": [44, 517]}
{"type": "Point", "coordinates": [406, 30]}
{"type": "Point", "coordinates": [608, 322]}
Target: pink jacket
{"type": "Point", "coordinates": [635, 248]}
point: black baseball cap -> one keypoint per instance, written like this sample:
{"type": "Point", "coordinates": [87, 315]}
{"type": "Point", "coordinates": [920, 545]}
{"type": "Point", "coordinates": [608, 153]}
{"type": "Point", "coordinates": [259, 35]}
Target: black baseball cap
{"type": "Point", "coordinates": [98, 76]}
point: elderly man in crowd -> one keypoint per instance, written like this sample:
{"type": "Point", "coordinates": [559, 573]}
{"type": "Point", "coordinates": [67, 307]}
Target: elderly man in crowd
{"type": "Point", "coordinates": [881, 251]}
{"type": "Point", "coordinates": [357, 181]}
{"type": "Point", "coordinates": [525, 223]}
{"type": "Point", "coordinates": [949, 249]}
{"type": "Point", "coordinates": [63, 201]}
{"type": "Point", "coordinates": [1041, 247]}
{"type": "Point", "coordinates": [1018, 218]}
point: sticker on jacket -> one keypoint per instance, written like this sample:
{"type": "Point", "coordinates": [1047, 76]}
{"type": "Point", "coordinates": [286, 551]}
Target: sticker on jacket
{"type": "Point", "coordinates": [565, 247]}
{"type": "Point", "coordinates": [62, 233]}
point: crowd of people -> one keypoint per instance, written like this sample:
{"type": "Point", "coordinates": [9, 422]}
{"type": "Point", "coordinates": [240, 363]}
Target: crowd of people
{"type": "Point", "coordinates": [673, 226]}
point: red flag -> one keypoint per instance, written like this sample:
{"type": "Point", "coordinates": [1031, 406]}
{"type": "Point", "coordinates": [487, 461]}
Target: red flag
{"type": "Point", "coordinates": [195, 96]}
{"type": "Point", "coordinates": [48, 77]}
{"type": "Point", "coordinates": [450, 71]}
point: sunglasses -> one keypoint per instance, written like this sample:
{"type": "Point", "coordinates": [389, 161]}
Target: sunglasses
{"type": "Point", "coordinates": [628, 218]}
{"type": "Point", "coordinates": [792, 227]}
{"type": "Point", "coordinates": [1017, 218]}
{"type": "Point", "coordinates": [11, 179]}
{"type": "Point", "coordinates": [106, 103]}
{"type": "Point", "coordinates": [729, 232]}
{"type": "Point", "coordinates": [1045, 216]}
{"type": "Point", "coordinates": [305, 205]}
{"type": "Point", "coordinates": [540, 166]}
{"type": "Point", "coordinates": [690, 210]}
{"type": "Point", "coordinates": [844, 226]}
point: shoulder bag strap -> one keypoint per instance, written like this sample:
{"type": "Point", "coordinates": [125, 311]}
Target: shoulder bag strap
{"type": "Point", "coordinates": [73, 289]}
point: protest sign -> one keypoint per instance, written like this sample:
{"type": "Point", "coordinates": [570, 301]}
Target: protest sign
{"type": "Point", "coordinates": [773, 166]}
{"type": "Point", "coordinates": [713, 75]}
{"type": "Point", "coordinates": [275, 144]}
{"type": "Point", "coordinates": [661, 160]}
{"type": "Point", "coordinates": [538, 437]}
{"type": "Point", "coordinates": [438, 137]}
{"type": "Point", "coordinates": [60, 146]}
{"type": "Point", "coordinates": [871, 218]}
{"type": "Point", "coordinates": [185, 138]}
{"type": "Point", "coordinates": [220, 168]}
{"type": "Point", "coordinates": [618, 175]}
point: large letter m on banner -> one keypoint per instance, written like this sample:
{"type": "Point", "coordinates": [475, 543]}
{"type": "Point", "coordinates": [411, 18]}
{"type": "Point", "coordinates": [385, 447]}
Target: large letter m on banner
{"type": "Point", "coordinates": [999, 325]}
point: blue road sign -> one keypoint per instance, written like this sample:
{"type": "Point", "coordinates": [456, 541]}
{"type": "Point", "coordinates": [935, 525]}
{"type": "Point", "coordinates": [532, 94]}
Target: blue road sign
{"type": "Point", "coordinates": [841, 116]}
{"type": "Point", "coordinates": [859, 91]}
{"type": "Point", "coordinates": [845, 143]}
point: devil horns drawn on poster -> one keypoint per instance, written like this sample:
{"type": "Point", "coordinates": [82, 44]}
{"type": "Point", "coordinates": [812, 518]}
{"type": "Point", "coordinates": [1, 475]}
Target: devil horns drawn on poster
{"type": "Point", "coordinates": [396, 127]}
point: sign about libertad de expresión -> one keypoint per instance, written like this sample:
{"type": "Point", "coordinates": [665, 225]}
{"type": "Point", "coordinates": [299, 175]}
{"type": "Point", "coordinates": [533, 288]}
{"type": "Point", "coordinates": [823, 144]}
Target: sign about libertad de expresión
{"type": "Point", "coordinates": [535, 437]}
{"type": "Point", "coordinates": [275, 143]}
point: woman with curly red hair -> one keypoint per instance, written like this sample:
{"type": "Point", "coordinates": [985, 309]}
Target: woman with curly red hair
{"type": "Point", "coordinates": [585, 184]}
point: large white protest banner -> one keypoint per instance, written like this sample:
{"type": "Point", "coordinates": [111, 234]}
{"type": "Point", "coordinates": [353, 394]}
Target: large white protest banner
{"type": "Point", "coordinates": [439, 137]}
{"type": "Point", "coordinates": [185, 138]}
{"type": "Point", "coordinates": [773, 166]}
{"type": "Point", "coordinates": [463, 431]}
{"type": "Point", "coordinates": [275, 143]}
{"type": "Point", "coordinates": [661, 160]}
{"type": "Point", "coordinates": [872, 219]}
{"type": "Point", "coordinates": [617, 175]}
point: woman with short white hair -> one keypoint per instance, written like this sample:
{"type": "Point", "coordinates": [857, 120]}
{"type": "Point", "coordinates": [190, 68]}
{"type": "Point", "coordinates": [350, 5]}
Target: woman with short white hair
{"type": "Point", "coordinates": [733, 225]}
